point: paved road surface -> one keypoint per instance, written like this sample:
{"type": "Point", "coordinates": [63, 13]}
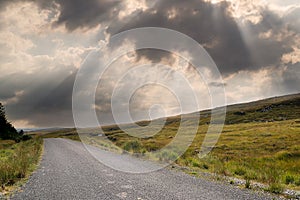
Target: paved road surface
{"type": "Point", "coordinates": [68, 171]}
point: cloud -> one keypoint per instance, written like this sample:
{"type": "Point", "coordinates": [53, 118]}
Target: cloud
{"type": "Point", "coordinates": [267, 82]}
{"type": "Point", "coordinates": [288, 81]}
{"type": "Point", "coordinates": [223, 35]}
{"type": "Point", "coordinates": [214, 25]}
{"type": "Point", "coordinates": [292, 17]}
{"type": "Point", "coordinates": [43, 43]}
{"type": "Point", "coordinates": [38, 99]}
{"type": "Point", "coordinates": [249, 85]}
{"type": "Point", "coordinates": [204, 22]}
{"type": "Point", "coordinates": [75, 14]}
{"type": "Point", "coordinates": [78, 14]}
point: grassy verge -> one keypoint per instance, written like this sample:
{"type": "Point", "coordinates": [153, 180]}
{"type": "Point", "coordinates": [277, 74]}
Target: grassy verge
{"type": "Point", "coordinates": [263, 152]}
{"type": "Point", "coordinates": [18, 161]}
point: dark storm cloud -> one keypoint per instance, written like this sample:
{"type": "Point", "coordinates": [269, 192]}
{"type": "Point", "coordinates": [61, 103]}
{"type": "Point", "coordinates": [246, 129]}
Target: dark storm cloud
{"type": "Point", "coordinates": [44, 101]}
{"type": "Point", "coordinates": [6, 90]}
{"type": "Point", "coordinates": [269, 51]}
{"type": "Point", "coordinates": [209, 24]}
{"type": "Point", "coordinates": [77, 13]}
{"type": "Point", "coordinates": [57, 104]}
{"type": "Point", "coordinates": [290, 78]}
{"type": "Point", "coordinates": [87, 13]}
{"type": "Point", "coordinates": [212, 26]}
{"type": "Point", "coordinates": [204, 22]}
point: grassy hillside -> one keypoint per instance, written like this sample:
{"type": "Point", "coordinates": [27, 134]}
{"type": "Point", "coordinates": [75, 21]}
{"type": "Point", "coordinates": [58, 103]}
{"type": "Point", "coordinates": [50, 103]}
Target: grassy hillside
{"type": "Point", "coordinates": [260, 142]}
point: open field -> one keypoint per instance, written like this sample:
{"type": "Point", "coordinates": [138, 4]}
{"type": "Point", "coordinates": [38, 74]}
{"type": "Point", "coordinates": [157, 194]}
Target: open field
{"type": "Point", "coordinates": [260, 142]}
{"type": "Point", "coordinates": [18, 161]}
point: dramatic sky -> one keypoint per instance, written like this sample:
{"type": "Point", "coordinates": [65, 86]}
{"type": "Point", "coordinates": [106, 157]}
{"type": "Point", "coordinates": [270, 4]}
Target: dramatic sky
{"type": "Point", "coordinates": [254, 43]}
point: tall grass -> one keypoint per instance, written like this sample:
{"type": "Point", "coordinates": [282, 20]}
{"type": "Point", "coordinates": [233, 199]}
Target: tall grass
{"type": "Point", "coordinates": [18, 161]}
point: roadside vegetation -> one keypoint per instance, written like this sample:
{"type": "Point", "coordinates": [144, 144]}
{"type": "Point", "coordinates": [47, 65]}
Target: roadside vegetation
{"type": "Point", "coordinates": [19, 154]}
{"type": "Point", "coordinates": [260, 142]}
{"type": "Point", "coordinates": [18, 161]}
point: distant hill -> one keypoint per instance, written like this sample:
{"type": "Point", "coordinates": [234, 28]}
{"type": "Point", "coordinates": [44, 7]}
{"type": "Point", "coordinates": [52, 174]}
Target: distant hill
{"type": "Point", "coordinates": [50, 129]}
{"type": "Point", "coordinates": [267, 110]}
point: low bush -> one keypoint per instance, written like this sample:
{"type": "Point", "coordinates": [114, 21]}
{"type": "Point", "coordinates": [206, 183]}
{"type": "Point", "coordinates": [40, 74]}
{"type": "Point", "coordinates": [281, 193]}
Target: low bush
{"type": "Point", "coordinates": [133, 146]}
{"type": "Point", "coordinates": [248, 184]}
{"type": "Point", "coordinates": [275, 188]}
{"type": "Point", "coordinates": [289, 179]}
{"type": "Point", "coordinates": [240, 171]}
{"type": "Point", "coordinates": [18, 160]}
{"type": "Point", "coordinates": [167, 156]}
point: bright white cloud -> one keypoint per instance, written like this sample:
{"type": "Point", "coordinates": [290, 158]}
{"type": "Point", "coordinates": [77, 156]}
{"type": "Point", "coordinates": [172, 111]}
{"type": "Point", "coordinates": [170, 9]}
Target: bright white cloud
{"type": "Point", "coordinates": [25, 18]}
{"type": "Point", "coordinates": [131, 6]}
{"type": "Point", "coordinates": [250, 10]}
{"type": "Point", "coordinates": [293, 57]}
{"type": "Point", "coordinates": [247, 86]}
{"type": "Point", "coordinates": [15, 43]}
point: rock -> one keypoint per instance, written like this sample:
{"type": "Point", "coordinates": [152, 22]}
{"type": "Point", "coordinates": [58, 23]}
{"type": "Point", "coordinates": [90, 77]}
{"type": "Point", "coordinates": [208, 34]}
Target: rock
{"type": "Point", "coordinates": [241, 113]}
{"type": "Point", "coordinates": [266, 109]}
{"type": "Point", "coordinates": [292, 193]}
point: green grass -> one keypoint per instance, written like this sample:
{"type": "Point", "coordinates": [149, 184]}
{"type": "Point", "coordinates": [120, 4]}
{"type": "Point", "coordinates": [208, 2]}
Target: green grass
{"type": "Point", "coordinates": [18, 161]}
{"type": "Point", "coordinates": [260, 142]}
{"type": "Point", "coordinates": [264, 152]}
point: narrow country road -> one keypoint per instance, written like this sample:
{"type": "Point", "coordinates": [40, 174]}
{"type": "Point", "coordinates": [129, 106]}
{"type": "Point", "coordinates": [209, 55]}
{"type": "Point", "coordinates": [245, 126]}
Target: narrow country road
{"type": "Point", "coordinates": [68, 171]}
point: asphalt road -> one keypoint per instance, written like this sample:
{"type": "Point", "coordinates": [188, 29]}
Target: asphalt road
{"type": "Point", "coordinates": [68, 171]}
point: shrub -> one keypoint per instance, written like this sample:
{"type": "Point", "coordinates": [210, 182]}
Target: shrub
{"type": "Point", "coordinates": [248, 184]}
{"type": "Point", "coordinates": [167, 156]}
{"type": "Point", "coordinates": [26, 137]}
{"type": "Point", "coordinates": [240, 171]}
{"type": "Point", "coordinates": [205, 166]}
{"type": "Point", "coordinates": [275, 188]}
{"type": "Point", "coordinates": [297, 182]}
{"type": "Point", "coordinates": [194, 162]}
{"type": "Point", "coordinates": [289, 179]}
{"type": "Point", "coordinates": [133, 146]}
